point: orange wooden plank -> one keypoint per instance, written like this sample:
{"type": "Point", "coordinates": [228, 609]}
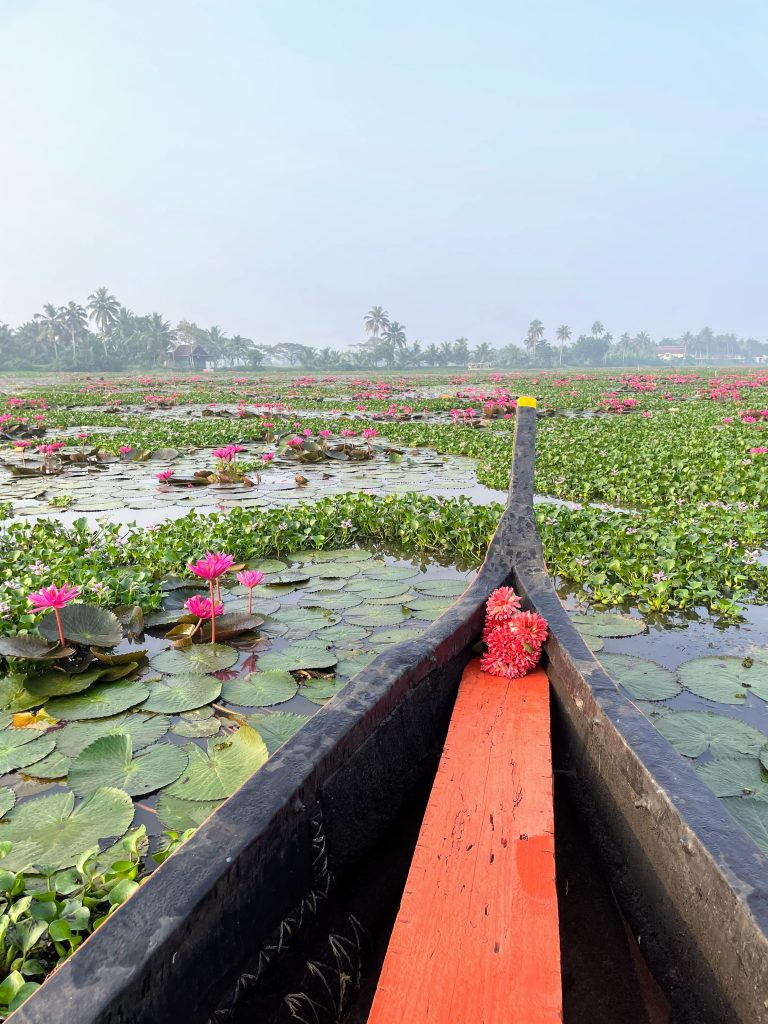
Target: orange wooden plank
{"type": "Point", "coordinates": [476, 939]}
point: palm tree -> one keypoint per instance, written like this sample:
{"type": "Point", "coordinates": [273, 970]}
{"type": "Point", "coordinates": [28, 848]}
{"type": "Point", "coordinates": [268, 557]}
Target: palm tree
{"type": "Point", "coordinates": [51, 326]}
{"type": "Point", "coordinates": [376, 321]}
{"type": "Point", "coordinates": [563, 334]}
{"type": "Point", "coordinates": [431, 356]}
{"type": "Point", "coordinates": [103, 308]}
{"type": "Point", "coordinates": [461, 351]}
{"type": "Point", "coordinates": [597, 329]}
{"type": "Point", "coordinates": [394, 334]}
{"type": "Point", "coordinates": [157, 337]}
{"type": "Point", "coordinates": [75, 321]}
{"type": "Point", "coordinates": [535, 334]}
{"type": "Point", "coordinates": [483, 353]}
{"type": "Point", "coordinates": [446, 353]}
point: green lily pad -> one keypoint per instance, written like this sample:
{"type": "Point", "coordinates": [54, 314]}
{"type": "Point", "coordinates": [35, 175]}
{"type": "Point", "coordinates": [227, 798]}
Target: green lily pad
{"type": "Point", "coordinates": [395, 636]}
{"type": "Point", "coordinates": [199, 723]}
{"type": "Point", "coordinates": [20, 748]}
{"type": "Point", "coordinates": [277, 728]}
{"type": "Point", "coordinates": [306, 618]}
{"type": "Point", "coordinates": [442, 588]}
{"type": "Point", "coordinates": [722, 679]}
{"type": "Point", "coordinates": [343, 634]}
{"type": "Point", "coordinates": [203, 658]}
{"type": "Point", "coordinates": [353, 662]}
{"type": "Point", "coordinates": [178, 815]}
{"type": "Point", "coordinates": [426, 608]}
{"type": "Point", "coordinates": [87, 624]}
{"type": "Point", "coordinates": [7, 800]}
{"type": "Point", "coordinates": [642, 679]}
{"type": "Point", "coordinates": [338, 555]}
{"type": "Point", "coordinates": [378, 615]}
{"type": "Point", "coordinates": [50, 830]}
{"type": "Point", "coordinates": [261, 689]}
{"type": "Point", "coordinates": [182, 693]}
{"type": "Point", "coordinates": [752, 815]}
{"type": "Point", "coordinates": [33, 648]}
{"type": "Point", "coordinates": [735, 776]}
{"type": "Point", "coordinates": [266, 565]}
{"type": "Point", "coordinates": [100, 701]}
{"type": "Point", "coordinates": [54, 766]}
{"type": "Point", "coordinates": [60, 684]}
{"type": "Point", "coordinates": [143, 729]}
{"type": "Point", "coordinates": [320, 691]}
{"type": "Point", "coordinates": [110, 760]}
{"type": "Point", "coordinates": [334, 601]}
{"type": "Point", "coordinates": [297, 656]}
{"type": "Point", "coordinates": [217, 773]}
{"type": "Point", "coordinates": [693, 732]}
{"type": "Point", "coordinates": [608, 624]}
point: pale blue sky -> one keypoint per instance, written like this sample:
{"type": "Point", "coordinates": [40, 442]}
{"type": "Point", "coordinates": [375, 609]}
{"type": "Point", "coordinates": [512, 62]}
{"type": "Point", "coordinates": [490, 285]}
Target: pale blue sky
{"type": "Point", "coordinates": [278, 167]}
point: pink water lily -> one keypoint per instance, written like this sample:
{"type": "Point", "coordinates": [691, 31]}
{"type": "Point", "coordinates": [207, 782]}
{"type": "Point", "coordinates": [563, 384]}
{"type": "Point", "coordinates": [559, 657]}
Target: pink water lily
{"type": "Point", "coordinates": [202, 607]}
{"type": "Point", "coordinates": [165, 476]}
{"type": "Point", "coordinates": [250, 578]}
{"type": "Point", "coordinates": [214, 564]}
{"type": "Point", "coordinates": [54, 598]}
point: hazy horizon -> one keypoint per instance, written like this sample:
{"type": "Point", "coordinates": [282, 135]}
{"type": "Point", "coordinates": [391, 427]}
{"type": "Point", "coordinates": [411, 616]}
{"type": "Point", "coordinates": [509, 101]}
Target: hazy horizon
{"type": "Point", "coordinates": [277, 169]}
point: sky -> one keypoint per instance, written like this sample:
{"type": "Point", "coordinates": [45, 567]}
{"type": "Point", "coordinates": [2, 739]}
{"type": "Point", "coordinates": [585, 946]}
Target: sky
{"type": "Point", "coordinates": [276, 168]}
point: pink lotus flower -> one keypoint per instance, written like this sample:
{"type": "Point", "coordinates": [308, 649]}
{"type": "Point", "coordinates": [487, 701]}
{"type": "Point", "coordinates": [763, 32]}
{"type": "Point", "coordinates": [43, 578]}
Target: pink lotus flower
{"type": "Point", "coordinates": [530, 627]}
{"type": "Point", "coordinates": [758, 451]}
{"type": "Point", "coordinates": [507, 654]}
{"type": "Point", "coordinates": [54, 598]}
{"type": "Point", "coordinates": [267, 456]}
{"type": "Point", "coordinates": [225, 454]}
{"type": "Point", "coordinates": [250, 578]}
{"type": "Point", "coordinates": [165, 476]}
{"type": "Point", "coordinates": [295, 442]}
{"type": "Point", "coordinates": [201, 607]}
{"type": "Point", "coordinates": [125, 449]}
{"type": "Point", "coordinates": [212, 566]}
{"type": "Point", "coordinates": [502, 605]}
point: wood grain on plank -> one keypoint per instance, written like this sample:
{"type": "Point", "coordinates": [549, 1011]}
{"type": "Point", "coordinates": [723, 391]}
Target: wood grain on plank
{"type": "Point", "coordinates": [476, 939]}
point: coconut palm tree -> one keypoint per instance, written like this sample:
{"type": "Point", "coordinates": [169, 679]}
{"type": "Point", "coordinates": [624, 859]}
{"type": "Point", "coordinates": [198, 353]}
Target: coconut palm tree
{"type": "Point", "coordinates": [563, 334]}
{"type": "Point", "coordinates": [535, 334]}
{"type": "Point", "coordinates": [461, 351]}
{"type": "Point", "coordinates": [103, 309]}
{"type": "Point", "coordinates": [431, 356]}
{"type": "Point", "coordinates": [597, 329]}
{"type": "Point", "coordinates": [483, 353]}
{"type": "Point", "coordinates": [394, 334]}
{"type": "Point", "coordinates": [51, 327]}
{"type": "Point", "coordinates": [376, 321]}
{"type": "Point", "coordinates": [73, 316]}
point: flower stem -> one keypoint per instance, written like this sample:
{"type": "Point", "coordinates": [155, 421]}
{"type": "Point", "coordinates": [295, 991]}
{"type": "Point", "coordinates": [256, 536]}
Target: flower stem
{"type": "Point", "coordinates": [58, 623]}
{"type": "Point", "coordinates": [250, 600]}
{"type": "Point", "coordinates": [213, 614]}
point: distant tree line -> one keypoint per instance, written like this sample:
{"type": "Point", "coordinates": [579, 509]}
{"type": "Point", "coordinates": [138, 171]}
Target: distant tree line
{"type": "Point", "coordinates": [105, 335]}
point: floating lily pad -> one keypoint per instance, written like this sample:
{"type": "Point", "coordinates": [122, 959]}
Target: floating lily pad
{"type": "Point", "coordinates": [7, 800]}
{"type": "Point", "coordinates": [232, 624]}
{"type": "Point", "coordinates": [59, 684]}
{"type": "Point", "coordinates": [378, 615]}
{"type": "Point", "coordinates": [143, 729]}
{"type": "Point", "coordinates": [33, 648]}
{"type": "Point", "coordinates": [182, 693]}
{"type": "Point", "coordinates": [441, 587]}
{"type": "Point", "coordinates": [693, 732]}
{"type": "Point", "coordinates": [395, 636]}
{"type": "Point", "coordinates": [197, 658]}
{"type": "Point", "coordinates": [201, 722]}
{"type": "Point", "coordinates": [307, 618]}
{"type": "Point", "coordinates": [110, 761]}
{"type": "Point", "coordinates": [277, 728]}
{"type": "Point", "coordinates": [335, 601]}
{"type": "Point", "coordinates": [297, 656]}
{"type": "Point", "coordinates": [100, 701]}
{"type": "Point", "coordinates": [51, 831]}
{"type": "Point", "coordinates": [426, 608]}
{"type": "Point", "coordinates": [338, 555]}
{"type": "Point", "coordinates": [722, 679]}
{"type": "Point", "coordinates": [752, 815]}
{"type": "Point", "coordinates": [731, 776]}
{"type": "Point", "coordinates": [22, 747]}
{"type": "Point", "coordinates": [217, 773]}
{"type": "Point", "coordinates": [54, 766]}
{"type": "Point", "coordinates": [267, 565]}
{"type": "Point", "coordinates": [353, 662]}
{"type": "Point", "coordinates": [343, 634]}
{"type": "Point", "coordinates": [608, 624]}
{"type": "Point", "coordinates": [642, 679]}
{"type": "Point", "coordinates": [178, 815]}
{"type": "Point", "coordinates": [87, 624]}
{"type": "Point", "coordinates": [320, 691]}
{"type": "Point", "coordinates": [260, 689]}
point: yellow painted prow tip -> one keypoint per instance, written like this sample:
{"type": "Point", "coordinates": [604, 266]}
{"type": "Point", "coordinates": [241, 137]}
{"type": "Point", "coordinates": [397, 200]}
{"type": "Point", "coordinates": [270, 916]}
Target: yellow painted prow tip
{"type": "Point", "coordinates": [526, 402]}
